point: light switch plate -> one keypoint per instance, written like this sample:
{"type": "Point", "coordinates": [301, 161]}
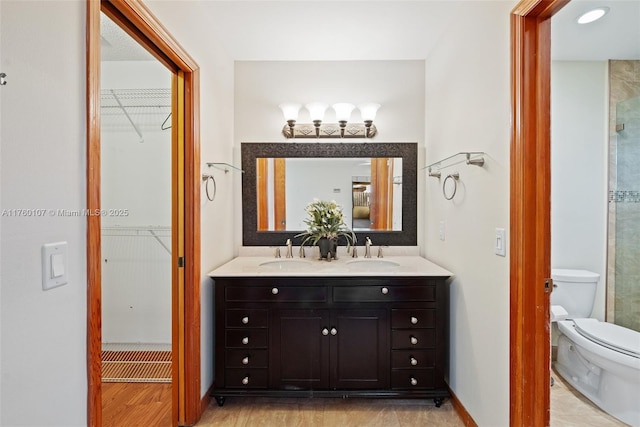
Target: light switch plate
{"type": "Point", "coordinates": [500, 242]}
{"type": "Point", "coordinates": [54, 265]}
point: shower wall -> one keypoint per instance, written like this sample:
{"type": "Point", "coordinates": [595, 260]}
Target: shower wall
{"type": "Point", "coordinates": [623, 271]}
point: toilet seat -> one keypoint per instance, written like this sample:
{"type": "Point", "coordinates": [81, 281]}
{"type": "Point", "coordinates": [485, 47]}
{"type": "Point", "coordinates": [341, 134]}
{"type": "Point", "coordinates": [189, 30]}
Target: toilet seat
{"type": "Point", "coordinates": [614, 337]}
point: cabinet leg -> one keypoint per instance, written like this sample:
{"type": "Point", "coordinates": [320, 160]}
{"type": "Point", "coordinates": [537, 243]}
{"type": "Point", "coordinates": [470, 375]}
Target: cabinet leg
{"type": "Point", "coordinates": [220, 400]}
{"type": "Point", "coordinates": [438, 401]}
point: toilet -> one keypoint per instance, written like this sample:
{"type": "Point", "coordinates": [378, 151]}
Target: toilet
{"type": "Point", "coordinates": [600, 360]}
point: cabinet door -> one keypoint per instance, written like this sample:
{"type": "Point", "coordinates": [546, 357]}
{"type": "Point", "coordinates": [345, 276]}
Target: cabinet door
{"type": "Point", "coordinates": [299, 349]}
{"type": "Point", "coordinates": [359, 349]}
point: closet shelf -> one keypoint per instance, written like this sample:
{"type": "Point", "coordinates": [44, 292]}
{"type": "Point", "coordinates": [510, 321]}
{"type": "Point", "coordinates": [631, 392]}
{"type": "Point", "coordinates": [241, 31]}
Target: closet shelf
{"type": "Point", "coordinates": [224, 166]}
{"type": "Point", "coordinates": [475, 158]}
{"type": "Point", "coordinates": [141, 109]}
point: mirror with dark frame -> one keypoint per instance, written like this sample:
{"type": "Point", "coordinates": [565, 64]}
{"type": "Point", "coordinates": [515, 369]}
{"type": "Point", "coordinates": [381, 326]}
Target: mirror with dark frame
{"type": "Point", "coordinates": [265, 224]}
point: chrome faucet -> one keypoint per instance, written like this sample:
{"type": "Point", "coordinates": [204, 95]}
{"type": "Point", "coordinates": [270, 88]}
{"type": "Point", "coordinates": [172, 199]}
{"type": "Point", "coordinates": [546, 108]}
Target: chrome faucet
{"type": "Point", "coordinates": [354, 251]}
{"type": "Point", "coordinates": [367, 248]}
{"type": "Point", "coordinates": [277, 252]}
{"type": "Point", "coordinates": [289, 253]}
{"type": "Point", "coordinates": [301, 253]}
{"type": "Point", "coordinates": [380, 251]}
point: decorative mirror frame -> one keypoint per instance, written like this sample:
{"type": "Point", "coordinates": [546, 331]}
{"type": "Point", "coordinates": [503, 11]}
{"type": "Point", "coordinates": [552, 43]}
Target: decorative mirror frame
{"type": "Point", "coordinates": [408, 151]}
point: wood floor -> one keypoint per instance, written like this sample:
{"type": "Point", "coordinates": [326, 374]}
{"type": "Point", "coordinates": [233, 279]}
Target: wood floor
{"type": "Point", "coordinates": [136, 405]}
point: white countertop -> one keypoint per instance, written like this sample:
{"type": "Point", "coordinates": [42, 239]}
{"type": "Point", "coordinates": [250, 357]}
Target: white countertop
{"type": "Point", "coordinates": [248, 266]}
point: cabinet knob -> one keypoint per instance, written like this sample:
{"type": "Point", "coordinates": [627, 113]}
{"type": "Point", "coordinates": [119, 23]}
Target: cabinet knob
{"type": "Point", "coordinates": [245, 340]}
{"type": "Point", "coordinates": [245, 380]}
{"type": "Point", "coordinates": [325, 332]}
{"type": "Point", "coordinates": [274, 291]}
{"type": "Point", "coordinates": [334, 331]}
{"type": "Point", "coordinates": [414, 340]}
{"type": "Point", "coordinates": [385, 291]}
{"type": "Point", "coordinates": [245, 320]}
{"type": "Point", "coordinates": [414, 381]}
{"type": "Point", "coordinates": [414, 361]}
{"type": "Point", "coordinates": [414, 320]}
{"type": "Point", "coordinates": [245, 360]}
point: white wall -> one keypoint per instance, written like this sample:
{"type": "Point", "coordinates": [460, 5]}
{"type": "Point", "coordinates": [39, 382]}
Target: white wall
{"type": "Point", "coordinates": [190, 27]}
{"type": "Point", "coordinates": [136, 176]}
{"type": "Point", "coordinates": [43, 167]}
{"type": "Point", "coordinates": [579, 117]}
{"type": "Point", "coordinates": [468, 109]}
{"type": "Point", "coordinates": [397, 85]}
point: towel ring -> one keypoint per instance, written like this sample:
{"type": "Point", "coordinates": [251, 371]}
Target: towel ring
{"type": "Point", "coordinates": [455, 177]}
{"type": "Point", "coordinates": [208, 178]}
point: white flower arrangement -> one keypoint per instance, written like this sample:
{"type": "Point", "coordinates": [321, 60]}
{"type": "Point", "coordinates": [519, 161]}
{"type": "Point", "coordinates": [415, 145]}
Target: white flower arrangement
{"type": "Point", "coordinates": [326, 220]}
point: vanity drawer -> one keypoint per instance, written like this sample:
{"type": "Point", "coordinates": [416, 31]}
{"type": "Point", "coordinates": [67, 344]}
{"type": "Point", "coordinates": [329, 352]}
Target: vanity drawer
{"type": "Point", "coordinates": [413, 338]}
{"type": "Point", "coordinates": [376, 293]}
{"type": "Point", "coordinates": [246, 378]}
{"type": "Point", "coordinates": [412, 378]}
{"type": "Point", "coordinates": [246, 338]}
{"type": "Point", "coordinates": [249, 358]}
{"type": "Point", "coordinates": [413, 359]}
{"type": "Point", "coordinates": [247, 318]}
{"type": "Point", "coordinates": [276, 293]}
{"type": "Point", "coordinates": [413, 318]}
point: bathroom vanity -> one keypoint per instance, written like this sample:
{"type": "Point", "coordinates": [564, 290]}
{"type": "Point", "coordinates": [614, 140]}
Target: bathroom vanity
{"type": "Point", "coordinates": [300, 327]}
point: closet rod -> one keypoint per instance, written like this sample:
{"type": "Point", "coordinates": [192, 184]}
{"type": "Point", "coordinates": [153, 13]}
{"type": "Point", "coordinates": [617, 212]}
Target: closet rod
{"type": "Point", "coordinates": [127, 115]}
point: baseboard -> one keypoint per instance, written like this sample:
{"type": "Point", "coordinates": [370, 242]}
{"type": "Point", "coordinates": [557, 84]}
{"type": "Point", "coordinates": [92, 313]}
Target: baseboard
{"type": "Point", "coordinates": [461, 411]}
{"type": "Point", "coordinates": [206, 399]}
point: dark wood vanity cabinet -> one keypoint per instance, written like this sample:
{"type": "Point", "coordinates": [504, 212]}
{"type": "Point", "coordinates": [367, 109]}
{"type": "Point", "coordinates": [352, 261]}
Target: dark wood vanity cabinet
{"type": "Point", "coordinates": [331, 336]}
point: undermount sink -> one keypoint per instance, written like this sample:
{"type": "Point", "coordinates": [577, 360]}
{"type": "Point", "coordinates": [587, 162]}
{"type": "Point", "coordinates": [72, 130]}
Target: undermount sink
{"type": "Point", "coordinates": [286, 264]}
{"type": "Point", "coordinates": [373, 264]}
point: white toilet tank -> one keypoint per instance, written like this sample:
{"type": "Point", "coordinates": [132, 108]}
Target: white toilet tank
{"type": "Point", "coordinates": [575, 290]}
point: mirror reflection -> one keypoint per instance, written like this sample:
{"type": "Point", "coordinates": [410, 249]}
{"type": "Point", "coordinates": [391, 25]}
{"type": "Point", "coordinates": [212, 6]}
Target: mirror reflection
{"type": "Point", "coordinates": [368, 189]}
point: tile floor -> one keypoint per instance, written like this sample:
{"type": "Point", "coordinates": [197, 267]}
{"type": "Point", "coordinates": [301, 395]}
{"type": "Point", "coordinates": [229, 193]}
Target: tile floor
{"type": "Point", "coordinates": [569, 408]}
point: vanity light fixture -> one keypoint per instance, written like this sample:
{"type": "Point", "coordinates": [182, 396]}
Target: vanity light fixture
{"type": "Point", "coordinates": [290, 111]}
{"type": "Point", "coordinates": [592, 15]}
{"type": "Point", "coordinates": [343, 129]}
{"type": "Point", "coordinates": [316, 112]}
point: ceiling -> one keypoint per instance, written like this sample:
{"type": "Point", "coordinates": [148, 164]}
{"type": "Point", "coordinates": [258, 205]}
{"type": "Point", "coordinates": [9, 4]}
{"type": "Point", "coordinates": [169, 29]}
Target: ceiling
{"type": "Point", "coordinates": [298, 30]}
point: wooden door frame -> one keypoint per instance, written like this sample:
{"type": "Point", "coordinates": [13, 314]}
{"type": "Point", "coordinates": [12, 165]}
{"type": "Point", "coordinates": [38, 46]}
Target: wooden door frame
{"type": "Point", "coordinates": [530, 224]}
{"type": "Point", "coordinates": [137, 20]}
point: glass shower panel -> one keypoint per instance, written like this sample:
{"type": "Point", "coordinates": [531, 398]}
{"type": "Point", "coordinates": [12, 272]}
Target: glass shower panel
{"type": "Point", "coordinates": [627, 214]}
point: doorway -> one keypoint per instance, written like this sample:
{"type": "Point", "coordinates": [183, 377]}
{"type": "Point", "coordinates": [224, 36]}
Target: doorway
{"type": "Point", "coordinates": [138, 22]}
{"type": "Point", "coordinates": [136, 234]}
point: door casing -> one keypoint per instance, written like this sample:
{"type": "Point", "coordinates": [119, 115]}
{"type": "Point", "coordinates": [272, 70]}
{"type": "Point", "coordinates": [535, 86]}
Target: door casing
{"type": "Point", "coordinates": [140, 23]}
{"type": "Point", "coordinates": [530, 223]}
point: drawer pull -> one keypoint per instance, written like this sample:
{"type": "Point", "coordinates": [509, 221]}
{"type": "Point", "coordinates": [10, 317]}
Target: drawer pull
{"type": "Point", "coordinates": [414, 320]}
{"type": "Point", "coordinates": [274, 291]}
{"type": "Point", "coordinates": [245, 360]}
{"type": "Point", "coordinates": [414, 381]}
{"type": "Point", "coordinates": [413, 360]}
{"type": "Point", "coordinates": [245, 340]}
{"type": "Point", "coordinates": [245, 320]}
{"type": "Point", "coordinates": [385, 291]}
{"type": "Point", "coordinates": [325, 332]}
{"type": "Point", "coordinates": [334, 331]}
{"type": "Point", "coordinates": [245, 380]}
{"type": "Point", "coordinates": [414, 340]}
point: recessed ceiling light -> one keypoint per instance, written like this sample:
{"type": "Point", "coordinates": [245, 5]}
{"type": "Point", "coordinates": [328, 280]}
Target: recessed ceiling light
{"type": "Point", "coordinates": [592, 15]}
